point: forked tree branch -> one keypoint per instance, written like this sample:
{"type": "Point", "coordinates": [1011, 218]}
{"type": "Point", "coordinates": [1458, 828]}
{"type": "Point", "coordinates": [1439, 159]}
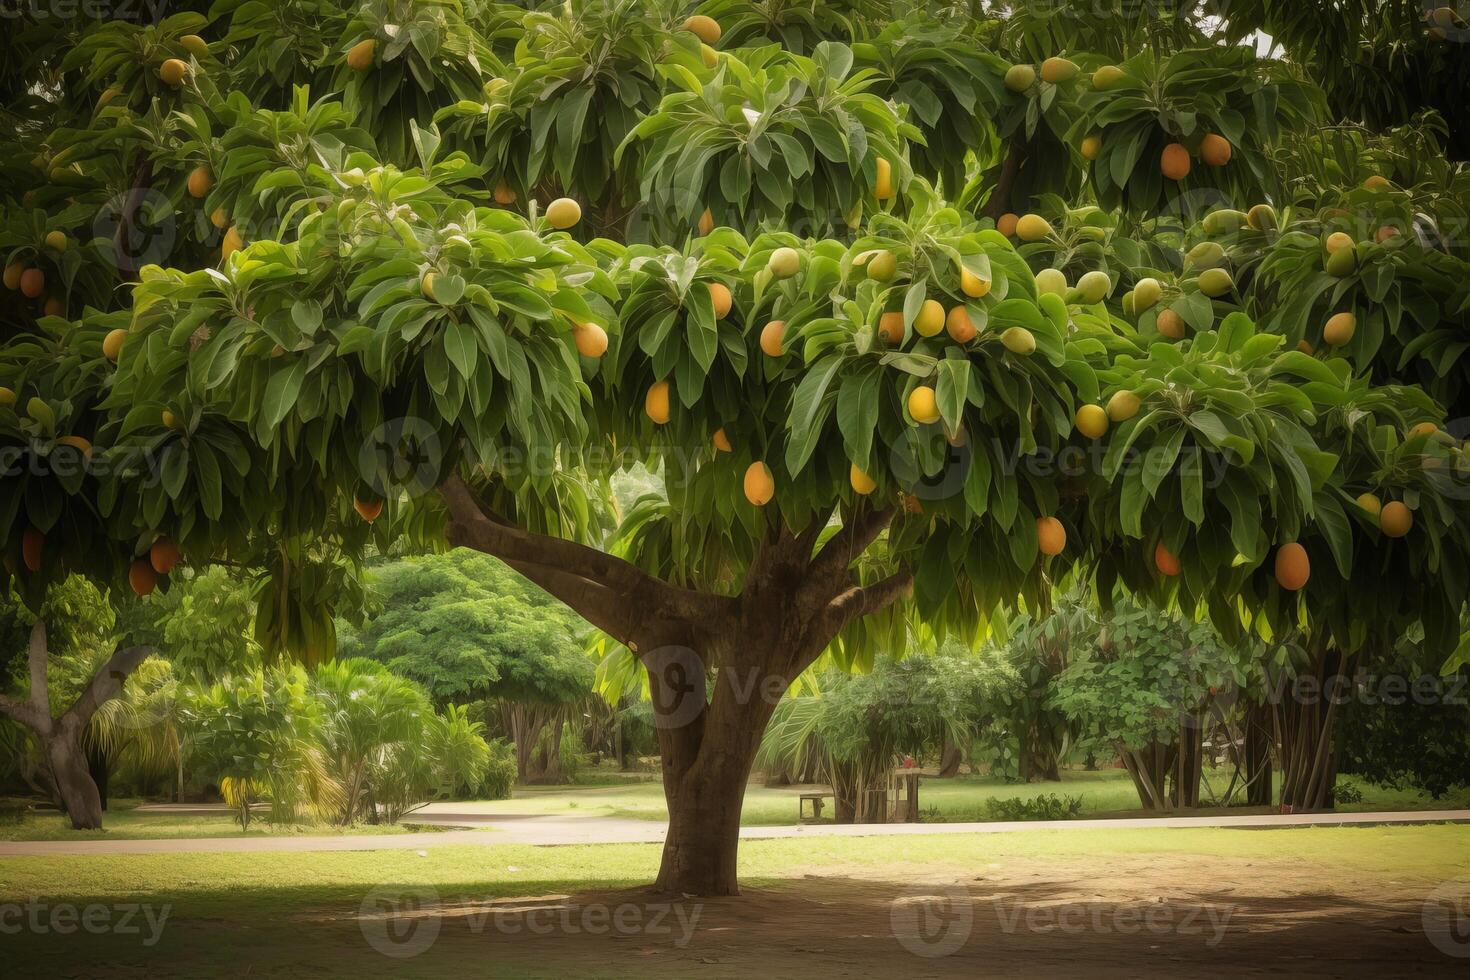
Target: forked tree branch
{"type": "Point", "coordinates": [106, 684]}
{"type": "Point", "coordinates": [857, 534]}
{"type": "Point", "coordinates": [611, 593]}
{"type": "Point", "coordinates": [863, 600]}
{"type": "Point", "coordinates": [23, 712]}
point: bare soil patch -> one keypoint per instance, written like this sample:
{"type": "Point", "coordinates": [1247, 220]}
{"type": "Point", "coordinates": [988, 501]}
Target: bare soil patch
{"type": "Point", "coordinates": [1118, 916]}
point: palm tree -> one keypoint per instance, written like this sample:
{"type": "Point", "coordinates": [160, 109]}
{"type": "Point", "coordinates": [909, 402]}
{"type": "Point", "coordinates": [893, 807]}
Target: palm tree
{"type": "Point", "coordinates": [366, 711]}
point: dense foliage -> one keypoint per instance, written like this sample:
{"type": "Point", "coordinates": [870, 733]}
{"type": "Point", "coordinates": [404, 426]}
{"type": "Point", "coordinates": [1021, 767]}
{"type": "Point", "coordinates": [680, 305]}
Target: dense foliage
{"type": "Point", "coordinates": [909, 323]}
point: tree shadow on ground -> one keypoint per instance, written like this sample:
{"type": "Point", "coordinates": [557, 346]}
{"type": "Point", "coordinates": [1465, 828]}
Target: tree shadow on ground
{"type": "Point", "coordinates": [987, 924]}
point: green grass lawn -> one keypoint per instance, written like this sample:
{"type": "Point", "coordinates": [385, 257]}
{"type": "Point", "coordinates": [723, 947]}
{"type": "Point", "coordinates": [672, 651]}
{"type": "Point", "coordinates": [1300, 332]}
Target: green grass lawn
{"type": "Point", "coordinates": [269, 883]}
{"type": "Point", "coordinates": [1106, 792]}
{"type": "Point", "coordinates": [283, 915]}
{"type": "Point", "coordinates": [123, 821]}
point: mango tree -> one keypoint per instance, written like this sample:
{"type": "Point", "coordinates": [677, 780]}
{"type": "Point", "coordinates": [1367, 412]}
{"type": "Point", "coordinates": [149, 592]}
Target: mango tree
{"type": "Point", "coordinates": [372, 330]}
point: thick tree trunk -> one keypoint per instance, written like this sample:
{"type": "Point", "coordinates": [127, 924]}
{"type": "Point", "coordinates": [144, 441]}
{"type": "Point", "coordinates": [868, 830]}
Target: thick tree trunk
{"type": "Point", "coordinates": [99, 767]}
{"type": "Point", "coordinates": [701, 847]}
{"type": "Point", "coordinates": [717, 664]}
{"type": "Point", "coordinates": [708, 737]}
{"type": "Point", "coordinates": [951, 756]}
{"type": "Point", "coordinates": [74, 783]}
{"type": "Point", "coordinates": [61, 738]}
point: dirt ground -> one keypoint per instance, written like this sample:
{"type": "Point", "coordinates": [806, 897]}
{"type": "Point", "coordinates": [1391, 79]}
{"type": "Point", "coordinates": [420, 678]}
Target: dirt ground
{"type": "Point", "coordinates": [1176, 916]}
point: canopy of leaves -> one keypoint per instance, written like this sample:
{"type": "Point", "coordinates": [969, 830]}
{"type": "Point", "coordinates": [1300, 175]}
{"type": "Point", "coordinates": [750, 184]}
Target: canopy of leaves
{"type": "Point", "coordinates": [1141, 675]}
{"type": "Point", "coordinates": [385, 326]}
{"type": "Point", "coordinates": [467, 628]}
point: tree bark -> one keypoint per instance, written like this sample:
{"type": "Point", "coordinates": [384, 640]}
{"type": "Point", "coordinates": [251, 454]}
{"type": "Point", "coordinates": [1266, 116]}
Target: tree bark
{"type": "Point", "coordinates": [1257, 756]}
{"type": "Point", "coordinates": [1038, 757]}
{"type": "Point", "coordinates": [1304, 725]}
{"type": "Point", "coordinates": [951, 756]}
{"type": "Point", "coordinates": [74, 783]}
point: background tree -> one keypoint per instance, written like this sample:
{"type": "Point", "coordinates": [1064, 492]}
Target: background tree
{"type": "Point", "coordinates": [1144, 683]}
{"type": "Point", "coordinates": [467, 628]}
{"type": "Point", "coordinates": [858, 727]}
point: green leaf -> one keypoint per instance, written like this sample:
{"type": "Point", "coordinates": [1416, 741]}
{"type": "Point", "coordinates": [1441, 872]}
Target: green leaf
{"type": "Point", "coordinates": [1336, 528]}
{"type": "Point", "coordinates": [857, 414]}
{"type": "Point", "coordinates": [809, 409]}
{"type": "Point", "coordinates": [459, 344]}
{"type": "Point", "coordinates": [281, 392]}
{"type": "Point", "coordinates": [951, 390]}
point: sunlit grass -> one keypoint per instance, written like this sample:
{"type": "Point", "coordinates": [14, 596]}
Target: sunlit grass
{"type": "Point", "coordinates": [270, 883]}
{"type": "Point", "coordinates": [1106, 792]}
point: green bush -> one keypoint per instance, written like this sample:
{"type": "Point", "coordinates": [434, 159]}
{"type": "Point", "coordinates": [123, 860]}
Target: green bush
{"type": "Point", "coordinates": [500, 771]}
{"type": "Point", "coordinates": [574, 754]}
{"type": "Point", "coordinates": [1047, 806]}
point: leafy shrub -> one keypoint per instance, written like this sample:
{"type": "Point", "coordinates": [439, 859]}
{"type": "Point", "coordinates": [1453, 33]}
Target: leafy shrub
{"type": "Point", "coordinates": [1047, 806]}
{"type": "Point", "coordinates": [500, 771]}
{"type": "Point", "coordinates": [459, 751]}
{"type": "Point", "coordinates": [573, 752]}
{"type": "Point", "coordinates": [1346, 793]}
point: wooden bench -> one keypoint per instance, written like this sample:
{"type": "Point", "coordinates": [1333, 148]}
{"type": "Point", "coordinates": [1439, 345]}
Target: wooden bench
{"type": "Point", "coordinates": [815, 799]}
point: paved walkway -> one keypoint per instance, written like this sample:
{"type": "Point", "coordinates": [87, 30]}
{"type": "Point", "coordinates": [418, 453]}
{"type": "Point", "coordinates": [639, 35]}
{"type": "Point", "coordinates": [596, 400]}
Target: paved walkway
{"type": "Point", "coordinates": [536, 829]}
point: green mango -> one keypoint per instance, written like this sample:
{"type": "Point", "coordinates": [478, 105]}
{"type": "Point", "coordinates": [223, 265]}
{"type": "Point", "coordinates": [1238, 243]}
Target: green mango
{"type": "Point", "coordinates": [1215, 283]}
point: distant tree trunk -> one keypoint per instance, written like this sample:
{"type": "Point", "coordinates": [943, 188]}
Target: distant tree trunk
{"type": "Point", "coordinates": [620, 745]}
{"type": "Point", "coordinates": [1038, 757]}
{"type": "Point", "coordinates": [951, 756]}
{"type": "Point", "coordinates": [1304, 729]}
{"type": "Point", "coordinates": [1000, 198]}
{"type": "Point", "coordinates": [537, 761]}
{"type": "Point", "coordinates": [1188, 762]}
{"type": "Point", "coordinates": [1256, 753]}
{"type": "Point", "coordinates": [546, 760]}
{"type": "Point", "coordinates": [61, 738]}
